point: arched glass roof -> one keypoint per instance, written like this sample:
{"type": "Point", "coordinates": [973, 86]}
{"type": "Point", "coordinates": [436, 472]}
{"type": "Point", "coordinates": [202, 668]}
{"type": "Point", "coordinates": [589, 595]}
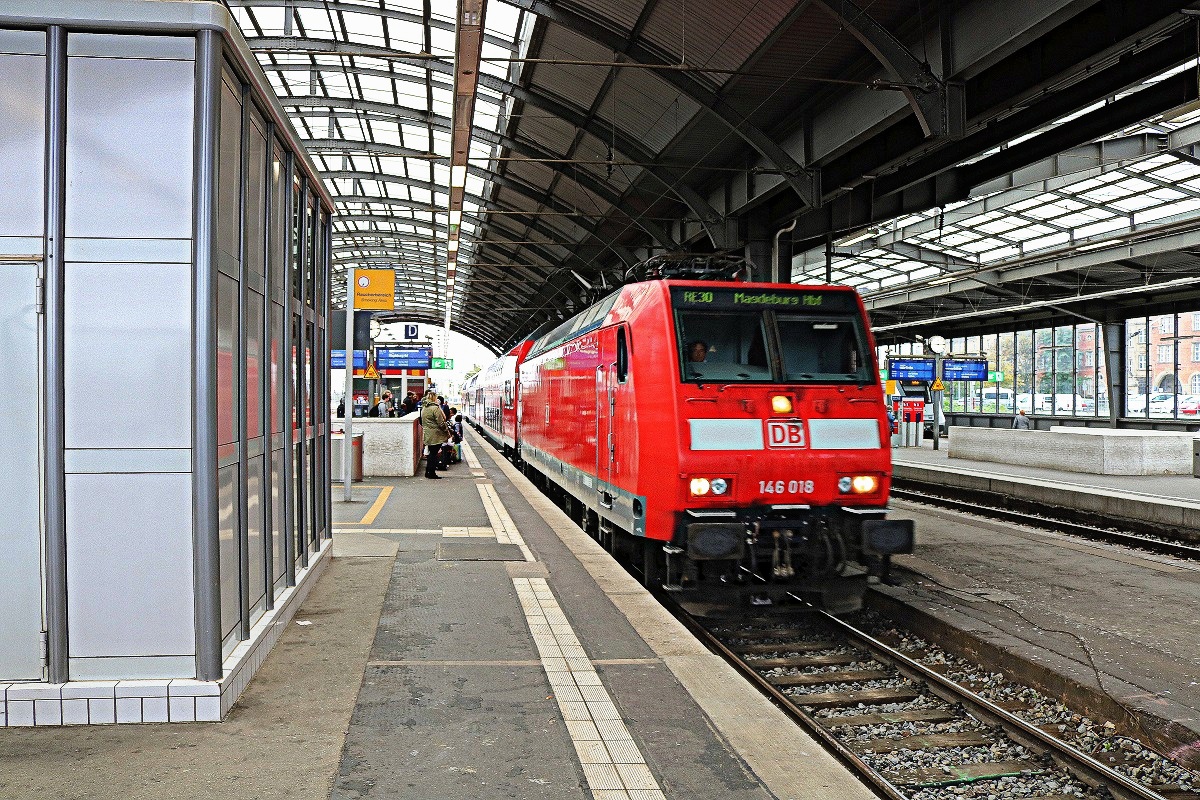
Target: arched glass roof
{"type": "Point", "coordinates": [370, 89]}
{"type": "Point", "coordinates": [596, 133]}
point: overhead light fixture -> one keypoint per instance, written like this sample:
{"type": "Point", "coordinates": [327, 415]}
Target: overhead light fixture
{"type": "Point", "coordinates": [452, 245]}
{"type": "Point", "coordinates": [458, 175]}
{"type": "Point", "coordinates": [455, 217]}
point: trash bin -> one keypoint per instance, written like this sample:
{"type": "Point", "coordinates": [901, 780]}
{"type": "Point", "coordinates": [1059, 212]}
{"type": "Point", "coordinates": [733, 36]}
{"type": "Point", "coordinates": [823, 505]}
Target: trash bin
{"type": "Point", "coordinates": [1196, 458]}
{"type": "Point", "coordinates": [356, 459]}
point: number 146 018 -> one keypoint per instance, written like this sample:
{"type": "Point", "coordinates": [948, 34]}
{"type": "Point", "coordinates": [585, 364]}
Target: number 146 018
{"type": "Point", "coordinates": [785, 487]}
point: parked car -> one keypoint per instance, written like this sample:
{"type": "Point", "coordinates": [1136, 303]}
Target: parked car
{"type": "Point", "coordinates": [1136, 404]}
{"type": "Point", "coordinates": [1162, 404]}
{"type": "Point", "coordinates": [1064, 404]}
{"type": "Point", "coordinates": [998, 400]}
{"type": "Point", "coordinates": [1189, 405]}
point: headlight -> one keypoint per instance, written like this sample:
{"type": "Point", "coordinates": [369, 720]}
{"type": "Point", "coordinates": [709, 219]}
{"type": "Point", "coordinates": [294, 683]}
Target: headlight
{"type": "Point", "coordinates": [719, 486]}
{"type": "Point", "coordinates": [858, 484]}
{"type": "Point", "coordinates": [699, 486]}
{"type": "Point", "coordinates": [865, 484]}
{"type": "Point", "coordinates": [781, 404]}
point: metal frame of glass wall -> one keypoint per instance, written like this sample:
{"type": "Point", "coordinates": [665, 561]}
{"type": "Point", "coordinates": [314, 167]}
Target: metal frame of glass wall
{"type": "Point", "coordinates": [273, 259]}
{"type": "Point", "coordinates": [1060, 370]}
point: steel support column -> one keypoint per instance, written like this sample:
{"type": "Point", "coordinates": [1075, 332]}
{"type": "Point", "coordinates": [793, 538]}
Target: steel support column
{"type": "Point", "coordinates": [54, 445]}
{"type": "Point", "coordinates": [205, 508]}
{"type": "Point", "coordinates": [1114, 369]}
{"type": "Point", "coordinates": [243, 484]}
{"type": "Point", "coordinates": [287, 384]}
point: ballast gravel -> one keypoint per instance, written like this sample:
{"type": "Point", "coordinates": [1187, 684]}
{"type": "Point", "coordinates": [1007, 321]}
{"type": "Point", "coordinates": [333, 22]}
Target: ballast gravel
{"type": "Point", "coordinates": [1100, 740]}
{"type": "Point", "coordinates": [1012, 788]}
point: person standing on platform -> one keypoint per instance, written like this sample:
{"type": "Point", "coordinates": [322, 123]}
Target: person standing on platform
{"type": "Point", "coordinates": [435, 431]}
{"type": "Point", "coordinates": [341, 409]}
{"type": "Point", "coordinates": [380, 409]}
{"type": "Point", "coordinates": [409, 404]}
{"type": "Point", "coordinates": [1020, 421]}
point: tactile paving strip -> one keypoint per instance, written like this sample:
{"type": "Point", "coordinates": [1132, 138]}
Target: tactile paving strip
{"type": "Point", "coordinates": [611, 761]}
{"type": "Point", "coordinates": [472, 460]}
{"type": "Point", "coordinates": [502, 523]}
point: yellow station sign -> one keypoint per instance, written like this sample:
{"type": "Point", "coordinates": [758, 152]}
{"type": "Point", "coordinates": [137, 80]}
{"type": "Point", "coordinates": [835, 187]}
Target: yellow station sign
{"type": "Point", "coordinates": [375, 289]}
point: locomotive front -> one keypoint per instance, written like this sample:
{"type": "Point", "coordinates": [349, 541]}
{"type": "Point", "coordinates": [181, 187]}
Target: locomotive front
{"type": "Point", "coordinates": [785, 462]}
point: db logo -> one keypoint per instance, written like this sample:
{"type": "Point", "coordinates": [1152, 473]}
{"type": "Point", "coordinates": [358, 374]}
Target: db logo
{"type": "Point", "coordinates": [785, 433]}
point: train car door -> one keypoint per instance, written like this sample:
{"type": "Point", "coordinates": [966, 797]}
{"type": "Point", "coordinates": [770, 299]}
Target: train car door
{"type": "Point", "coordinates": [21, 577]}
{"type": "Point", "coordinates": [605, 407]}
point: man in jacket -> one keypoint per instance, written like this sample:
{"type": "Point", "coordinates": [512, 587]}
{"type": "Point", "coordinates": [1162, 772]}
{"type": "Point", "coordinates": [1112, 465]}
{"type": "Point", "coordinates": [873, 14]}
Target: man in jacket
{"type": "Point", "coordinates": [435, 431]}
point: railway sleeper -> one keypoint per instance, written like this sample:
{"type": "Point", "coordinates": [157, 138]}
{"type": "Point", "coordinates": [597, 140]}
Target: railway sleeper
{"type": "Point", "coordinates": [962, 773]}
{"type": "Point", "coordinates": [924, 741]}
{"type": "Point", "coordinates": [830, 660]}
{"type": "Point", "coordinates": [891, 718]}
{"type": "Point", "coordinates": [785, 647]}
{"type": "Point", "coordinates": [866, 697]}
{"type": "Point", "coordinates": [819, 678]}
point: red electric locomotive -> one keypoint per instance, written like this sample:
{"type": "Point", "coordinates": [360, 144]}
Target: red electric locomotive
{"type": "Point", "coordinates": [726, 432]}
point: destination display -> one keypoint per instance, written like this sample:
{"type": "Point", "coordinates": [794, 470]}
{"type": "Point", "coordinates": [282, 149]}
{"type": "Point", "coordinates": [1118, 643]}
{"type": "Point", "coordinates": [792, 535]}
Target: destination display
{"type": "Point", "coordinates": [337, 359]}
{"type": "Point", "coordinates": [911, 369]}
{"type": "Point", "coordinates": [750, 298]}
{"type": "Point", "coordinates": [965, 369]}
{"type": "Point", "coordinates": [404, 358]}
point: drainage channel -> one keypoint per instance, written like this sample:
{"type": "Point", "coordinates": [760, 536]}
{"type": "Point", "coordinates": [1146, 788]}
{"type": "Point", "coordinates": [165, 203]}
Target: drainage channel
{"type": "Point", "coordinates": [908, 730]}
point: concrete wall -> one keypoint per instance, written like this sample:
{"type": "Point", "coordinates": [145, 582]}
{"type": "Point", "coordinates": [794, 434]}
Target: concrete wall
{"type": "Point", "coordinates": [1094, 451]}
{"type": "Point", "coordinates": [391, 445]}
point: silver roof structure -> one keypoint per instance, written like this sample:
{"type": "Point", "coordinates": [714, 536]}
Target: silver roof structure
{"type": "Point", "coordinates": [608, 131]}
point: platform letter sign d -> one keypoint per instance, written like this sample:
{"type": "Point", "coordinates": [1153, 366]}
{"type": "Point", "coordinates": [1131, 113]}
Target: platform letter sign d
{"type": "Point", "coordinates": [785, 433]}
{"type": "Point", "coordinates": [410, 331]}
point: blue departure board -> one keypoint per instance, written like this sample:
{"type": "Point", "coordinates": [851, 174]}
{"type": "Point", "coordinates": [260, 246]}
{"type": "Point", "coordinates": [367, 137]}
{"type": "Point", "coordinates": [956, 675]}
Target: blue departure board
{"type": "Point", "coordinates": [965, 369]}
{"type": "Point", "coordinates": [911, 369]}
{"type": "Point", "coordinates": [337, 359]}
{"type": "Point", "coordinates": [404, 358]}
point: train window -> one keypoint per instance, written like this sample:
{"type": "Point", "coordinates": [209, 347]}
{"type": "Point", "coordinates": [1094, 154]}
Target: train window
{"type": "Point", "coordinates": [824, 348]}
{"type": "Point", "coordinates": [508, 394]}
{"type": "Point", "coordinates": [622, 356]}
{"type": "Point", "coordinates": [727, 347]}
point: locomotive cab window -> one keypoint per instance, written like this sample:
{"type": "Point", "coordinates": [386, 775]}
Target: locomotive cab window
{"type": "Point", "coordinates": [724, 347]}
{"type": "Point", "coordinates": [823, 348]}
{"type": "Point", "coordinates": [622, 356]}
{"type": "Point", "coordinates": [770, 335]}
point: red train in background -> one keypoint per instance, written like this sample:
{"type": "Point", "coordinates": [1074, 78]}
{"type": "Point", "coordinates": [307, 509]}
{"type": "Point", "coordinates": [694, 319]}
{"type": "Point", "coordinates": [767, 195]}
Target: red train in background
{"type": "Point", "coordinates": [719, 432]}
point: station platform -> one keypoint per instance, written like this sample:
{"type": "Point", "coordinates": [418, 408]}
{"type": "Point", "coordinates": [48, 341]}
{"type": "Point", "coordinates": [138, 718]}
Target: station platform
{"type": "Point", "coordinates": [466, 641]}
{"type": "Point", "coordinates": [1109, 629]}
{"type": "Point", "coordinates": [1168, 501]}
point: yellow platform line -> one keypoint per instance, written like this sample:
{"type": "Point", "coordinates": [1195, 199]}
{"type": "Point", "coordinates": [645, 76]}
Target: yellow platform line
{"type": "Point", "coordinates": [376, 507]}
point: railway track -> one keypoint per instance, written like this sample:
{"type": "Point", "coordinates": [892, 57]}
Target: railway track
{"type": "Point", "coordinates": [909, 731]}
{"type": "Point", "coordinates": [1151, 543]}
